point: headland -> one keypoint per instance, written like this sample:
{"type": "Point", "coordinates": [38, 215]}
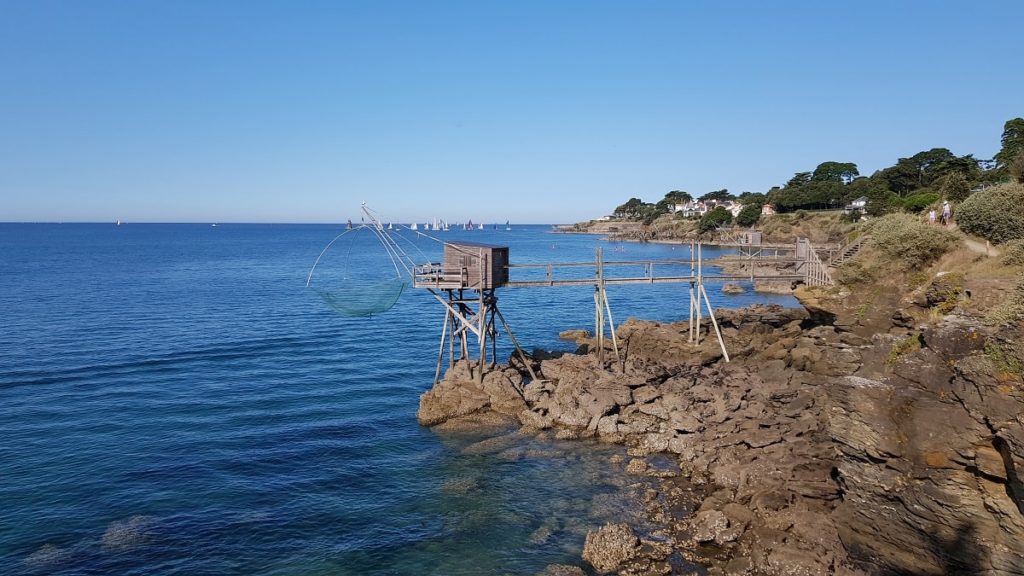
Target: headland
{"type": "Point", "coordinates": [877, 429]}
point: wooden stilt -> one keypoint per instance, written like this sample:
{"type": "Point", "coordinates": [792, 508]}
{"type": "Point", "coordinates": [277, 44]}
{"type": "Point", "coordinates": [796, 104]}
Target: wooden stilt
{"type": "Point", "coordinates": [482, 337]}
{"type": "Point", "coordinates": [522, 355]}
{"type": "Point", "coordinates": [714, 322]}
{"type": "Point", "coordinates": [611, 326]}
{"type": "Point", "coordinates": [440, 348]}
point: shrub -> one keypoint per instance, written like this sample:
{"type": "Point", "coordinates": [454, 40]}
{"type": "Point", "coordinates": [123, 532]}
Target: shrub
{"type": "Point", "coordinates": [919, 201]}
{"type": "Point", "coordinates": [904, 239]}
{"type": "Point", "coordinates": [714, 218]}
{"type": "Point", "coordinates": [749, 215]}
{"type": "Point", "coordinates": [1013, 253]}
{"type": "Point", "coordinates": [852, 216]}
{"type": "Point", "coordinates": [996, 213]}
{"type": "Point", "coordinates": [1011, 309]}
{"type": "Point", "coordinates": [902, 347]}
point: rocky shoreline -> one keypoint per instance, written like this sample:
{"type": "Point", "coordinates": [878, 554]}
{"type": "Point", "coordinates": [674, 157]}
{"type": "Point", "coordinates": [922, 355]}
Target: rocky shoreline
{"type": "Point", "coordinates": [827, 446]}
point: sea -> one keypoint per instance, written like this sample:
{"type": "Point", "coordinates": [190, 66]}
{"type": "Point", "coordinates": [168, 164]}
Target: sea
{"type": "Point", "coordinates": [181, 399]}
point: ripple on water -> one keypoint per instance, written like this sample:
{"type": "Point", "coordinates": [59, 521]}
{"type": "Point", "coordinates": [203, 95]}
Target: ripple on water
{"type": "Point", "coordinates": [173, 402]}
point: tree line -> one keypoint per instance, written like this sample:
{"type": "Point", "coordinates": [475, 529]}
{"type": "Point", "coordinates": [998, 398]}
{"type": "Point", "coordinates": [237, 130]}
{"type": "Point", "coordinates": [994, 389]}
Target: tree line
{"type": "Point", "coordinates": [913, 184]}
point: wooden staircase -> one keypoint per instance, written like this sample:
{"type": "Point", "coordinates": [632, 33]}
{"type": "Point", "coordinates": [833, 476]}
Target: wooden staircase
{"type": "Point", "coordinates": [849, 250]}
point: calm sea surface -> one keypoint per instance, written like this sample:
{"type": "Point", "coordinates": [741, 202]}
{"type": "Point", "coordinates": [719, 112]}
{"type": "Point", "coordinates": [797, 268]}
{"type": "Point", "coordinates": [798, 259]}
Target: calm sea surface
{"type": "Point", "coordinates": [173, 400]}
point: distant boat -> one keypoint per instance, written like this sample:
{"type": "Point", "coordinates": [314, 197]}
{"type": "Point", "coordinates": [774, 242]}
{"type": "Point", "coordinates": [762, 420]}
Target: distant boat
{"type": "Point", "coordinates": [118, 223]}
{"type": "Point", "coordinates": [414, 226]}
{"type": "Point", "coordinates": [390, 227]}
{"type": "Point", "coordinates": [507, 227]}
{"type": "Point", "coordinates": [349, 226]}
{"type": "Point", "coordinates": [214, 225]}
{"type": "Point", "coordinates": [480, 227]}
{"type": "Point", "coordinates": [469, 225]}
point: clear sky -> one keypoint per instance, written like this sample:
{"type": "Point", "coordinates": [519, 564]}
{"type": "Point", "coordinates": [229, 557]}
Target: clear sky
{"type": "Point", "coordinates": [531, 111]}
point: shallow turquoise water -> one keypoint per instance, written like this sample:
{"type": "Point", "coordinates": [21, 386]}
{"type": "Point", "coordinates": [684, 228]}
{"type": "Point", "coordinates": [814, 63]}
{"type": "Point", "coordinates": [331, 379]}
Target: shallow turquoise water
{"type": "Point", "coordinates": [174, 401]}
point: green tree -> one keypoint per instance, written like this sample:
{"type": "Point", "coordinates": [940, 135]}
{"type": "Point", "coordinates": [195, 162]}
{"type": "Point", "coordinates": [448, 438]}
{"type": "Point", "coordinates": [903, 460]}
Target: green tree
{"type": "Point", "coordinates": [930, 164]}
{"type": "Point", "coordinates": [749, 215]}
{"type": "Point", "coordinates": [1012, 141]}
{"type": "Point", "coordinates": [968, 166]}
{"type": "Point", "coordinates": [752, 198]}
{"type": "Point", "coordinates": [923, 169]}
{"type": "Point", "coordinates": [1016, 167]}
{"type": "Point", "coordinates": [955, 187]}
{"type": "Point", "coordinates": [843, 172]}
{"type": "Point", "coordinates": [649, 213]}
{"type": "Point", "coordinates": [798, 179]}
{"type": "Point", "coordinates": [678, 197]}
{"type": "Point", "coordinates": [903, 177]}
{"type": "Point", "coordinates": [919, 200]}
{"type": "Point", "coordinates": [720, 195]}
{"type": "Point", "coordinates": [631, 209]}
{"type": "Point", "coordinates": [712, 219]}
{"type": "Point", "coordinates": [673, 198]}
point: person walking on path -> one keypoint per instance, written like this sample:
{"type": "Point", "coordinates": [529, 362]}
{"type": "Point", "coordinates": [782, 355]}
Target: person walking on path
{"type": "Point", "coordinates": [947, 213]}
{"type": "Point", "coordinates": [931, 216]}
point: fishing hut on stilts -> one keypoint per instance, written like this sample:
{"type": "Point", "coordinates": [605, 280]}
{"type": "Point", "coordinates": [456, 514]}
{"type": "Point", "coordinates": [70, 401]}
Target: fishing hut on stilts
{"type": "Point", "coordinates": [466, 281]}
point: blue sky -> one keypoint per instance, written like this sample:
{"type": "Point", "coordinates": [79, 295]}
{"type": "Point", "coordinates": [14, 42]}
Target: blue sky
{"type": "Point", "coordinates": [533, 111]}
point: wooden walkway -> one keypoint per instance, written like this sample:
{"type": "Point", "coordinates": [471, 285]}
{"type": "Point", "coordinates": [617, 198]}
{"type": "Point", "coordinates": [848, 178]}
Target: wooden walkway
{"type": "Point", "coordinates": [465, 285]}
{"type": "Point", "coordinates": [801, 264]}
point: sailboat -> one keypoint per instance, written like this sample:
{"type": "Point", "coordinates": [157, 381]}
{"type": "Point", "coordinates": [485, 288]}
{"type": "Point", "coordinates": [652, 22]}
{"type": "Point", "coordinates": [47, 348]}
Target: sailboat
{"type": "Point", "coordinates": [480, 227]}
{"type": "Point", "coordinates": [390, 227]}
{"type": "Point", "coordinates": [507, 227]}
{"type": "Point", "coordinates": [349, 226]}
{"type": "Point", "coordinates": [414, 226]}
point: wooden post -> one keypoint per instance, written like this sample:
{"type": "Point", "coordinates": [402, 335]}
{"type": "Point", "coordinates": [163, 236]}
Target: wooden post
{"type": "Point", "coordinates": [714, 322]}
{"type": "Point", "coordinates": [598, 309]}
{"type": "Point", "coordinates": [451, 340]}
{"type": "Point", "coordinates": [440, 349]}
{"type": "Point", "coordinates": [482, 336]}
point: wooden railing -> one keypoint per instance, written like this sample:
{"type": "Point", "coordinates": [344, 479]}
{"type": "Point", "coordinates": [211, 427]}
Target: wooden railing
{"type": "Point", "coordinates": [815, 271]}
{"type": "Point", "coordinates": [849, 250]}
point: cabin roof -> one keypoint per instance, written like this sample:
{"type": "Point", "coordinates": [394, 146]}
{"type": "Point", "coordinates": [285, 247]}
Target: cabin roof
{"type": "Point", "coordinates": [475, 245]}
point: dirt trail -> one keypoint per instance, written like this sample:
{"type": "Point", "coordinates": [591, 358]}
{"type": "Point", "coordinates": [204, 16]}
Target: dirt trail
{"type": "Point", "coordinates": [981, 247]}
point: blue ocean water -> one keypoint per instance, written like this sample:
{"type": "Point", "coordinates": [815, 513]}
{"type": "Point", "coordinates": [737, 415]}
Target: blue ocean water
{"type": "Point", "coordinates": [173, 400]}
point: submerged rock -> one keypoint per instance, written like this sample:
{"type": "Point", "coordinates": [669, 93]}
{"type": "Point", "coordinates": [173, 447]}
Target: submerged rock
{"type": "Point", "coordinates": [732, 288]}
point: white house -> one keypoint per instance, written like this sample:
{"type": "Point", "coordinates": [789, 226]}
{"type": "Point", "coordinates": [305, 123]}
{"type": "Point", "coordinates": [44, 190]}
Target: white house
{"type": "Point", "coordinates": [857, 204]}
{"type": "Point", "coordinates": [734, 208]}
{"type": "Point", "coordinates": [767, 210]}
